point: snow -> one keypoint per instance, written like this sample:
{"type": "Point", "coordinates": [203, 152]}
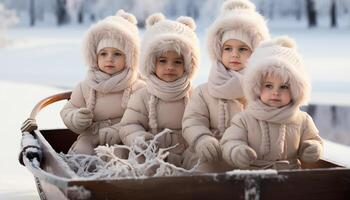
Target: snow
{"type": "Point", "coordinates": [16, 102]}
{"type": "Point", "coordinates": [43, 61]}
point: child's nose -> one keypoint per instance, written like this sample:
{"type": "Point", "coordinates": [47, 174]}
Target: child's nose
{"type": "Point", "coordinates": [170, 66]}
{"type": "Point", "coordinates": [235, 53]}
{"type": "Point", "coordinates": [276, 92]}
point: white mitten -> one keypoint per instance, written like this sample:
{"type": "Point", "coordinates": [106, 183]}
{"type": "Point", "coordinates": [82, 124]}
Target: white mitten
{"type": "Point", "coordinates": [208, 148]}
{"type": "Point", "coordinates": [109, 135]}
{"type": "Point", "coordinates": [311, 151]}
{"type": "Point", "coordinates": [82, 118]}
{"type": "Point", "coordinates": [242, 156]}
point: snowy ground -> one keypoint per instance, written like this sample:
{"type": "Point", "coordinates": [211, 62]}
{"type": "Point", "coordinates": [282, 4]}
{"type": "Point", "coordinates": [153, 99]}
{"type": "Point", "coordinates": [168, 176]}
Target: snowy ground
{"type": "Point", "coordinates": [43, 61]}
{"type": "Point", "coordinates": [16, 102]}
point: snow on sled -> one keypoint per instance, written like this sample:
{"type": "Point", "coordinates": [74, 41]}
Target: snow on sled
{"type": "Point", "coordinates": [55, 180]}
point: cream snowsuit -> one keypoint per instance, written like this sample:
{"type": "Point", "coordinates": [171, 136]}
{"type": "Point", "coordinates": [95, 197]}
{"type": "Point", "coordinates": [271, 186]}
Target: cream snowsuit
{"type": "Point", "coordinates": [108, 112]}
{"type": "Point", "coordinates": [135, 122]}
{"type": "Point", "coordinates": [267, 135]}
{"type": "Point", "coordinates": [202, 117]}
{"type": "Point", "coordinates": [282, 145]}
{"type": "Point", "coordinates": [213, 104]}
{"type": "Point", "coordinates": [97, 104]}
{"type": "Point", "coordinates": [161, 104]}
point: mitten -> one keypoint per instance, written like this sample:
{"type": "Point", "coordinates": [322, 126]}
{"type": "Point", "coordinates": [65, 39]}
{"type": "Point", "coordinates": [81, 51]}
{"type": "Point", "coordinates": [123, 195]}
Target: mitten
{"type": "Point", "coordinates": [82, 118]}
{"type": "Point", "coordinates": [164, 140]}
{"type": "Point", "coordinates": [242, 156]}
{"type": "Point", "coordinates": [208, 148]}
{"type": "Point", "coordinates": [311, 151]}
{"type": "Point", "coordinates": [109, 135]}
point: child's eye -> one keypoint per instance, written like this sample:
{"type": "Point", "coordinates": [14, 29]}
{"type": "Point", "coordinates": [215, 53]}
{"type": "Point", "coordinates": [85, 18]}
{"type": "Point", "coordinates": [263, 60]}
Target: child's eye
{"type": "Point", "coordinates": [227, 49]}
{"type": "Point", "coordinates": [268, 86]}
{"type": "Point", "coordinates": [117, 54]}
{"type": "Point", "coordinates": [103, 53]}
{"type": "Point", "coordinates": [284, 87]}
{"type": "Point", "coordinates": [178, 62]}
{"type": "Point", "coordinates": [162, 61]}
{"type": "Point", "coordinates": [242, 49]}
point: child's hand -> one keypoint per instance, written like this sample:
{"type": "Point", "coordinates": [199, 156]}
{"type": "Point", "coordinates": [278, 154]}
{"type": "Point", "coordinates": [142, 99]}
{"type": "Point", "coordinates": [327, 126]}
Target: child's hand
{"type": "Point", "coordinates": [164, 140]}
{"type": "Point", "coordinates": [311, 151]}
{"type": "Point", "coordinates": [242, 156]}
{"type": "Point", "coordinates": [82, 118]}
{"type": "Point", "coordinates": [109, 136]}
{"type": "Point", "coordinates": [209, 148]}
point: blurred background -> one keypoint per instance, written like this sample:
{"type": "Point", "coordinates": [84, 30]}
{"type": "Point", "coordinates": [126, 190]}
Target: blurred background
{"type": "Point", "coordinates": [40, 55]}
{"type": "Point", "coordinates": [40, 43]}
{"type": "Point", "coordinates": [62, 12]}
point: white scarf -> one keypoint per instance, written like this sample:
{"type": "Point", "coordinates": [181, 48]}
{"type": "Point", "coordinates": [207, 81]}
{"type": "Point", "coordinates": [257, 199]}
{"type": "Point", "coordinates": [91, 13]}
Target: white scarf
{"type": "Point", "coordinates": [264, 114]}
{"type": "Point", "coordinates": [105, 83]}
{"type": "Point", "coordinates": [168, 91]}
{"type": "Point", "coordinates": [223, 83]}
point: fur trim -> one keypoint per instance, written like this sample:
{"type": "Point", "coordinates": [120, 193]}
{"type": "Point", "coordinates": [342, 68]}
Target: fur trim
{"type": "Point", "coordinates": [281, 61]}
{"type": "Point", "coordinates": [165, 35]}
{"type": "Point", "coordinates": [247, 21]}
{"type": "Point", "coordinates": [116, 28]}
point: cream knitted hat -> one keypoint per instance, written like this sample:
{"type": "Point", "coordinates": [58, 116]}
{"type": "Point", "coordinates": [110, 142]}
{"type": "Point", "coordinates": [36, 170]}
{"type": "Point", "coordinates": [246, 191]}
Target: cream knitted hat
{"type": "Point", "coordinates": [278, 57]}
{"type": "Point", "coordinates": [163, 35]}
{"type": "Point", "coordinates": [239, 20]}
{"type": "Point", "coordinates": [119, 31]}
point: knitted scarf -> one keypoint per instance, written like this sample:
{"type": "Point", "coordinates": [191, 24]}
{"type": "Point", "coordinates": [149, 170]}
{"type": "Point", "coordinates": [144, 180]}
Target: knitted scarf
{"type": "Point", "coordinates": [225, 85]}
{"type": "Point", "coordinates": [166, 91]}
{"type": "Point", "coordinates": [267, 114]}
{"type": "Point", "coordinates": [105, 83]}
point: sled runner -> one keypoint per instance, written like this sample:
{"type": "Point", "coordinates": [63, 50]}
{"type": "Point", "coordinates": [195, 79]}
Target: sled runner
{"type": "Point", "coordinates": [55, 180]}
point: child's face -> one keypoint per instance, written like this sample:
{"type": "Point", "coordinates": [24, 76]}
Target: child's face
{"type": "Point", "coordinates": [235, 54]}
{"type": "Point", "coordinates": [111, 60]}
{"type": "Point", "coordinates": [274, 92]}
{"type": "Point", "coordinates": [170, 66]}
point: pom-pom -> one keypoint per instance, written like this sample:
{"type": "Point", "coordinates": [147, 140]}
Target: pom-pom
{"type": "Point", "coordinates": [131, 18]}
{"type": "Point", "coordinates": [188, 21]}
{"type": "Point", "coordinates": [230, 5]}
{"type": "Point", "coordinates": [285, 41]}
{"type": "Point", "coordinates": [153, 19]}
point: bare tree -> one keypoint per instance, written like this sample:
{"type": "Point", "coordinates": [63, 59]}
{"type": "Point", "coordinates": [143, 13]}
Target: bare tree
{"type": "Point", "coordinates": [298, 9]}
{"type": "Point", "coordinates": [311, 13]}
{"type": "Point", "coordinates": [333, 14]}
{"type": "Point", "coordinates": [61, 12]}
{"type": "Point", "coordinates": [32, 15]}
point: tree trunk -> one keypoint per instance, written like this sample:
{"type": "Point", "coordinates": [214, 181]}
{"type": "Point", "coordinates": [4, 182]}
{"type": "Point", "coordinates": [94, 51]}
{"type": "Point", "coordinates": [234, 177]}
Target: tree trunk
{"type": "Point", "coordinates": [311, 13]}
{"type": "Point", "coordinates": [61, 12]}
{"type": "Point", "coordinates": [32, 12]}
{"type": "Point", "coordinates": [80, 16]}
{"type": "Point", "coordinates": [298, 10]}
{"type": "Point", "coordinates": [333, 14]}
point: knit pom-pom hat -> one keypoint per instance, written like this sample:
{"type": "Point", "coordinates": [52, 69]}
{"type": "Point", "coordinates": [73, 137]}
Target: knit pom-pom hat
{"type": "Point", "coordinates": [278, 57]}
{"type": "Point", "coordinates": [238, 20]}
{"type": "Point", "coordinates": [164, 35]}
{"type": "Point", "coordinates": [118, 31]}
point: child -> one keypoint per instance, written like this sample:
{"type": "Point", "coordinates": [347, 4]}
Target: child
{"type": "Point", "coordinates": [272, 132]}
{"type": "Point", "coordinates": [232, 38]}
{"type": "Point", "coordinates": [169, 59]}
{"type": "Point", "coordinates": [111, 50]}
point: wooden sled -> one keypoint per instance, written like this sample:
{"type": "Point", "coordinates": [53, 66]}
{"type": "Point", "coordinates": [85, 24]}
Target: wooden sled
{"type": "Point", "coordinates": [55, 180]}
